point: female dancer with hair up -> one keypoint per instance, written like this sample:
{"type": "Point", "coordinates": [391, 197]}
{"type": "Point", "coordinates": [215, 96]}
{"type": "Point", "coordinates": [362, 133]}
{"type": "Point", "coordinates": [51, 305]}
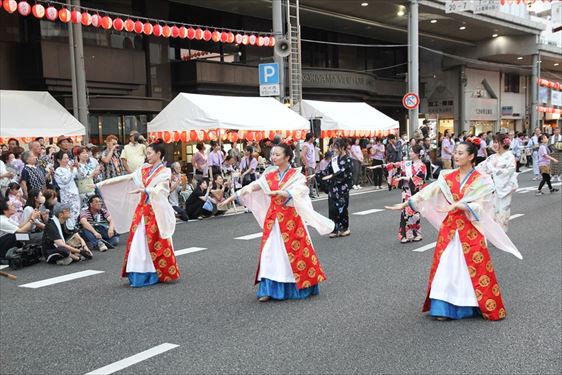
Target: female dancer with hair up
{"type": "Point", "coordinates": [288, 267]}
{"type": "Point", "coordinates": [501, 167]}
{"type": "Point", "coordinates": [149, 257]}
{"type": "Point", "coordinates": [462, 282]}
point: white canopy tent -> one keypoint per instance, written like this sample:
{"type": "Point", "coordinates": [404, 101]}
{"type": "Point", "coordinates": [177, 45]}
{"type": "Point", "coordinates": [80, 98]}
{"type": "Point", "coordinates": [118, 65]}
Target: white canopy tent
{"type": "Point", "coordinates": [34, 114]}
{"type": "Point", "coordinates": [205, 112]}
{"type": "Point", "coordinates": [347, 116]}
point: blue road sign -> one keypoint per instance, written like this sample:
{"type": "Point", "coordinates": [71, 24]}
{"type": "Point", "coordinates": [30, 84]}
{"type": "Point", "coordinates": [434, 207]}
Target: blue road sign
{"type": "Point", "coordinates": [269, 73]}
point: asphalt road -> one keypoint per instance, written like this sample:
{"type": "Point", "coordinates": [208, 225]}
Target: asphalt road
{"type": "Point", "coordinates": [367, 318]}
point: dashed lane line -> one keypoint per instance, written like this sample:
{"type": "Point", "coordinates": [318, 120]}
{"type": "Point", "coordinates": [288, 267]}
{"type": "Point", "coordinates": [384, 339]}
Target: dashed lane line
{"type": "Point", "coordinates": [134, 359]}
{"type": "Point", "coordinates": [250, 236]}
{"type": "Point", "coordinates": [61, 279]}
{"type": "Point", "coordinates": [188, 250]}
{"type": "Point", "coordinates": [367, 212]}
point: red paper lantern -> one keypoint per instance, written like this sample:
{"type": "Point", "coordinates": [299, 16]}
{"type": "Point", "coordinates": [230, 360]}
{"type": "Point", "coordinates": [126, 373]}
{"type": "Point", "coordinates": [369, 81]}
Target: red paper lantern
{"type": "Point", "coordinates": [129, 25]}
{"type": "Point", "coordinates": [230, 37]}
{"type": "Point", "coordinates": [175, 31]}
{"type": "Point", "coordinates": [182, 32]}
{"type": "Point", "coordinates": [138, 27]}
{"type": "Point", "coordinates": [38, 11]}
{"type": "Point", "coordinates": [201, 135]}
{"type": "Point", "coordinates": [106, 22]}
{"type": "Point", "coordinates": [24, 8]}
{"type": "Point", "coordinates": [233, 137]}
{"type": "Point", "coordinates": [252, 39]}
{"type": "Point", "coordinates": [192, 135]}
{"type": "Point", "coordinates": [245, 40]}
{"type": "Point", "coordinates": [238, 38]}
{"type": "Point", "coordinates": [259, 136]}
{"type": "Point", "coordinates": [147, 28]}
{"type": "Point", "coordinates": [118, 24]}
{"type": "Point", "coordinates": [212, 135]}
{"type": "Point", "coordinates": [215, 36]}
{"type": "Point", "coordinates": [250, 136]}
{"type": "Point", "coordinates": [157, 30]}
{"type": "Point", "coordinates": [166, 31]}
{"type": "Point", "coordinates": [272, 41]}
{"type": "Point", "coordinates": [266, 41]}
{"type": "Point", "coordinates": [224, 37]}
{"type": "Point", "coordinates": [207, 35]}
{"type": "Point", "coordinates": [64, 15]}
{"type": "Point", "coordinates": [190, 33]}
{"type": "Point", "coordinates": [183, 137]}
{"type": "Point", "coordinates": [75, 16]}
{"type": "Point", "coordinates": [167, 137]}
{"type": "Point", "coordinates": [86, 19]}
{"type": "Point", "coordinates": [198, 34]}
{"type": "Point", "coordinates": [260, 41]}
{"type": "Point", "coordinates": [10, 6]}
{"type": "Point", "coordinates": [51, 13]}
{"type": "Point", "coordinates": [177, 136]}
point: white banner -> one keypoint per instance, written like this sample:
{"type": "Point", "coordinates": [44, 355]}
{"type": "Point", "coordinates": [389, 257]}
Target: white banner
{"type": "Point", "coordinates": [456, 6]}
{"type": "Point", "coordinates": [556, 98]}
{"type": "Point", "coordinates": [483, 6]}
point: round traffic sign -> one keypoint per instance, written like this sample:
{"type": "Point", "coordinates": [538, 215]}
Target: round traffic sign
{"type": "Point", "coordinates": [411, 100]}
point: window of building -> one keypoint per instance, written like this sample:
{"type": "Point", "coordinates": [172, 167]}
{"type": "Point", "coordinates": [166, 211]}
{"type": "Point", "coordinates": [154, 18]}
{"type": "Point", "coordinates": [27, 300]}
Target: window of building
{"type": "Point", "coordinates": [511, 83]}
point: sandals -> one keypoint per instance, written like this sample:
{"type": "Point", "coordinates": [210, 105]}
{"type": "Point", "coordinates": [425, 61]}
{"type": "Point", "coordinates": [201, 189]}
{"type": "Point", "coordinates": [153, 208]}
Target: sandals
{"type": "Point", "coordinates": [264, 299]}
{"type": "Point", "coordinates": [417, 239]}
{"type": "Point", "coordinates": [404, 240]}
{"type": "Point", "coordinates": [345, 233]}
{"type": "Point", "coordinates": [333, 235]}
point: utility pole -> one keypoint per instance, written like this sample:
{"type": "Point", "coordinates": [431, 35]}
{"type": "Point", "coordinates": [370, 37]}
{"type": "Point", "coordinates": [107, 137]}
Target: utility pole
{"type": "Point", "coordinates": [79, 74]}
{"type": "Point", "coordinates": [534, 123]}
{"type": "Point", "coordinates": [278, 20]}
{"type": "Point", "coordinates": [413, 63]}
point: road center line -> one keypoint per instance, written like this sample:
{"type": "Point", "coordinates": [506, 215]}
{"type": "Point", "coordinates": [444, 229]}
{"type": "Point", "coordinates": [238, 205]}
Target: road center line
{"type": "Point", "coordinates": [60, 279]}
{"type": "Point", "coordinates": [367, 212]}
{"type": "Point", "coordinates": [189, 250]}
{"type": "Point", "coordinates": [250, 236]}
{"type": "Point", "coordinates": [129, 361]}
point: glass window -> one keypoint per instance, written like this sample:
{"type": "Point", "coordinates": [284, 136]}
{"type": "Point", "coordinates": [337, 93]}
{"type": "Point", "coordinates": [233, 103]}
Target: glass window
{"type": "Point", "coordinates": [511, 83]}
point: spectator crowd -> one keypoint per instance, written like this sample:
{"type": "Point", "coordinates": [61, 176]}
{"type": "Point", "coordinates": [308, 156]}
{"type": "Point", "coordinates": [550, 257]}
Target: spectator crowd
{"type": "Point", "coordinates": [49, 200]}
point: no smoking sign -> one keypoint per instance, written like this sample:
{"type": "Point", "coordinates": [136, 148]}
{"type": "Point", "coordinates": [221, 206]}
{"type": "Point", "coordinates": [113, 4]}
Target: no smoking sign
{"type": "Point", "coordinates": [411, 100]}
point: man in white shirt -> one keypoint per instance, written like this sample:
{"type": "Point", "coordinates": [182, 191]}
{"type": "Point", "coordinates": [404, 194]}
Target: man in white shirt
{"type": "Point", "coordinates": [9, 228]}
{"type": "Point", "coordinates": [134, 153]}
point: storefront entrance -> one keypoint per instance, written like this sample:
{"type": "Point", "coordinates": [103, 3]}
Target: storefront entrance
{"type": "Point", "coordinates": [102, 125]}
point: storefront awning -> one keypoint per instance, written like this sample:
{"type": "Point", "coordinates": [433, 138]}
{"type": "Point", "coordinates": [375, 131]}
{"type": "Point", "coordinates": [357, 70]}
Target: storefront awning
{"type": "Point", "coordinates": [347, 116]}
{"type": "Point", "coordinates": [204, 112]}
{"type": "Point", "coordinates": [35, 114]}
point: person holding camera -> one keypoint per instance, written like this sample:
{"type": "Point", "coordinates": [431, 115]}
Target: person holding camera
{"type": "Point", "coordinates": [9, 228]}
{"type": "Point", "coordinates": [134, 153]}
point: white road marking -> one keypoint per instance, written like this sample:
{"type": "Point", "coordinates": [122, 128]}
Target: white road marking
{"type": "Point", "coordinates": [60, 279]}
{"type": "Point", "coordinates": [3, 266]}
{"type": "Point", "coordinates": [350, 194]}
{"type": "Point", "coordinates": [432, 245]}
{"type": "Point", "coordinates": [533, 188]}
{"type": "Point", "coordinates": [189, 250]}
{"type": "Point", "coordinates": [132, 360]}
{"type": "Point", "coordinates": [426, 247]}
{"type": "Point", "coordinates": [525, 171]}
{"type": "Point", "coordinates": [250, 236]}
{"type": "Point", "coordinates": [367, 212]}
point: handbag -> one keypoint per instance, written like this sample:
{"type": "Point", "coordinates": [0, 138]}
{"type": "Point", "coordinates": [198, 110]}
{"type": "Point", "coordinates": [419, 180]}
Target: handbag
{"type": "Point", "coordinates": [208, 205]}
{"type": "Point", "coordinates": [523, 159]}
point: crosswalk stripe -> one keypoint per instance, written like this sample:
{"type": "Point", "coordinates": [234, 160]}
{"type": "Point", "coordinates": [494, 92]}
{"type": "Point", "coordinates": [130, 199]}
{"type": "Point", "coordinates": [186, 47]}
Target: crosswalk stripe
{"type": "Point", "coordinates": [367, 212]}
{"type": "Point", "coordinates": [250, 236]}
{"type": "Point", "coordinates": [189, 250]}
{"type": "Point", "coordinates": [132, 360]}
{"type": "Point", "coordinates": [515, 216]}
{"type": "Point", "coordinates": [61, 279]}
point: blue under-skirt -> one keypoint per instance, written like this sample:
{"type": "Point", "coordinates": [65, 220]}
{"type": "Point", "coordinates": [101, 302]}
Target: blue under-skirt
{"type": "Point", "coordinates": [139, 279]}
{"type": "Point", "coordinates": [282, 291]}
{"type": "Point", "coordinates": [444, 309]}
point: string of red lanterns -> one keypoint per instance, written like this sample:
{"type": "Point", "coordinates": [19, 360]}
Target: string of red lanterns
{"type": "Point", "coordinates": [509, 2]}
{"type": "Point", "coordinates": [234, 136]}
{"type": "Point", "coordinates": [551, 84]}
{"type": "Point", "coordinates": [76, 139]}
{"type": "Point", "coordinates": [115, 21]}
{"type": "Point", "coordinates": [550, 110]}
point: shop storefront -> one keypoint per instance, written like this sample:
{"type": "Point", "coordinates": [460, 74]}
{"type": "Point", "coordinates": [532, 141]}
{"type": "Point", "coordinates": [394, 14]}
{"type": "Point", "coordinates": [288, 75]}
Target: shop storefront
{"type": "Point", "coordinates": [482, 115]}
{"type": "Point", "coordinates": [441, 113]}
